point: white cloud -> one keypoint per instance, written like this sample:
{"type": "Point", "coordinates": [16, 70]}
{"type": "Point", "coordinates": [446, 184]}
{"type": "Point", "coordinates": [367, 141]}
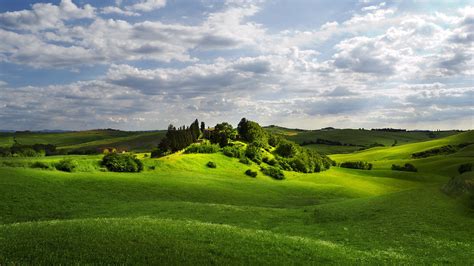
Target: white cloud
{"type": "Point", "coordinates": [147, 5]}
{"type": "Point", "coordinates": [107, 41]}
{"type": "Point", "coordinates": [45, 16]}
{"type": "Point", "coordinates": [118, 11]}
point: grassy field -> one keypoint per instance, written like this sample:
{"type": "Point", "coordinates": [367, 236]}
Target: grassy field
{"type": "Point", "coordinates": [358, 138]}
{"type": "Point", "coordinates": [91, 139]}
{"type": "Point", "coordinates": [179, 211]}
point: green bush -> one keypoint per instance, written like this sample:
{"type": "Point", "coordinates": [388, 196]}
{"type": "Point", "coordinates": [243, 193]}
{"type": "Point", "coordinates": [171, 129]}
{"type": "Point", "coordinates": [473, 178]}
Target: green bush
{"type": "Point", "coordinates": [202, 148]}
{"type": "Point", "coordinates": [273, 172]}
{"type": "Point", "coordinates": [408, 167]}
{"type": "Point", "coordinates": [251, 173]}
{"type": "Point", "coordinates": [66, 165]}
{"type": "Point", "coordinates": [211, 164]}
{"type": "Point", "coordinates": [286, 149]}
{"type": "Point", "coordinates": [357, 165]}
{"type": "Point", "coordinates": [444, 150]}
{"type": "Point", "coordinates": [40, 165]}
{"type": "Point", "coordinates": [233, 151]}
{"type": "Point", "coordinates": [245, 160]}
{"type": "Point", "coordinates": [116, 162]}
{"type": "Point", "coordinates": [269, 161]}
{"type": "Point", "coordinates": [254, 153]}
{"type": "Point", "coordinates": [467, 167]}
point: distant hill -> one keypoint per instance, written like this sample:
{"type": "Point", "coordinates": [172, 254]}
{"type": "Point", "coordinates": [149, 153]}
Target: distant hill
{"type": "Point", "coordinates": [88, 139]}
{"type": "Point", "coordinates": [351, 140]}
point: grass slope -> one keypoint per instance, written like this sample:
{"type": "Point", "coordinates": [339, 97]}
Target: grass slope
{"type": "Point", "coordinates": [186, 213]}
{"type": "Point", "coordinates": [444, 165]}
{"type": "Point", "coordinates": [355, 137]}
{"type": "Point", "coordinates": [90, 139]}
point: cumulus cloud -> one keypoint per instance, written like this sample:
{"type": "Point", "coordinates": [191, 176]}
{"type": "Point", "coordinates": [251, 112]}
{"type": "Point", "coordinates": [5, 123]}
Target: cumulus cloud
{"type": "Point", "coordinates": [111, 40]}
{"type": "Point", "coordinates": [45, 16]}
{"type": "Point", "coordinates": [118, 11]}
{"type": "Point", "coordinates": [379, 66]}
{"type": "Point", "coordinates": [147, 5]}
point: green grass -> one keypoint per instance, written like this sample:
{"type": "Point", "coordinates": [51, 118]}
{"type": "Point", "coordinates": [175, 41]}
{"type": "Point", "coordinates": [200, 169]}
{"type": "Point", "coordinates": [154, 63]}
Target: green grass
{"type": "Point", "coordinates": [332, 149]}
{"type": "Point", "coordinates": [183, 212]}
{"type": "Point", "coordinates": [356, 137]}
{"type": "Point", "coordinates": [90, 139]}
{"type": "Point", "coordinates": [6, 139]}
{"type": "Point", "coordinates": [139, 142]}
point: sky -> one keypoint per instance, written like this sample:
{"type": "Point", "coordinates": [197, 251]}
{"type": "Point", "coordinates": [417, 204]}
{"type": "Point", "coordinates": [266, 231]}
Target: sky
{"type": "Point", "coordinates": [143, 64]}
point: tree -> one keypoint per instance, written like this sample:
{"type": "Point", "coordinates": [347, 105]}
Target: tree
{"type": "Point", "coordinates": [252, 132]}
{"type": "Point", "coordinates": [195, 131]}
{"type": "Point", "coordinates": [286, 149]}
{"type": "Point", "coordinates": [222, 133]}
{"type": "Point", "coordinates": [203, 126]}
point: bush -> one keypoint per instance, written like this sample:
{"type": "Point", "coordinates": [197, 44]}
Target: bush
{"type": "Point", "coordinates": [40, 165]}
{"type": "Point", "coordinates": [211, 164]}
{"type": "Point", "coordinates": [202, 148]}
{"type": "Point", "coordinates": [444, 150]}
{"type": "Point", "coordinates": [269, 161]}
{"type": "Point", "coordinates": [233, 151]}
{"type": "Point", "coordinates": [245, 160]}
{"type": "Point", "coordinates": [251, 173]}
{"type": "Point", "coordinates": [357, 165]}
{"type": "Point", "coordinates": [467, 167]}
{"type": "Point", "coordinates": [286, 149]}
{"type": "Point", "coordinates": [407, 167]}
{"type": "Point", "coordinates": [254, 153]}
{"type": "Point", "coordinates": [66, 165]}
{"type": "Point", "coordinates": [273, 172]}
{"type": "Point", "coordinates": [116, 162]}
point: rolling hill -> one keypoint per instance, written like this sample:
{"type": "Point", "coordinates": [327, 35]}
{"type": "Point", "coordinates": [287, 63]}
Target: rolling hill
{"type": "Point", "coordinates": [180, 211]}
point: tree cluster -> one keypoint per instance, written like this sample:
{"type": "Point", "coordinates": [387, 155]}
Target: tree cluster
{"type": "Point", "coordinates": [357, 165]}
{"type": "Point", "coordinates": [35, 150]}
{"type": "Point", "coordinates": [116, 162]}
{"type": "Point", "coordinates": [178, 138]}
{"type": "Point", "coordinates": [448, 149]}
{"type": "Point", "coordinates": [252, 132]}
{"type": "Point", "coordinates": [408, 167]}
{"type": "Point", "coordinates": [222, 134]}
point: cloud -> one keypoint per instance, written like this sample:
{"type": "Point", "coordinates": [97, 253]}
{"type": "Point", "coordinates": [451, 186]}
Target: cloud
{"type": "Point", "coordinates": [377, 67]}
{"type": "Point", "coordinates": [45, 16]}
{"type": "Point", "coordinates": [118, 11]}
{"type": "Point", "coordinates": [339, 92]}
{"type": "Point", "coordinates": [365, 55]}
{"type": "Point", "coordinates": [147, 5]}
{"type": "Point", "coordinates": [105, 41]}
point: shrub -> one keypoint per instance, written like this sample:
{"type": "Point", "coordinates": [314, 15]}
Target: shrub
{"type": "Point", "coordinates": [251, 173]}
{"type": "Point", "coordinates": [467, 167]}
{"type": "Point", "coordinates": [202, 148]}
{"type": "Point", "coordinates": [40, 165]}
{"type": "Point", "coordinates": [274, 140]}
{"type": "Point", "coordinates": [211, 164]}
{"type": "Point", "coordinates": [245, 160]}
{"type": "Point", "coordinates": [254, 153]}
{"type": "Point", "coordinates": [269, 161]}
{"type": "Point", "coordinates": [448, 149]}
{"type": "Point", "coordinates": [273, 172]}
{"type": "Point", "coordinates": [233, 151]}
{"type": "Point", "coordinates": [407, 167]}
{"type": "Point", "coordinates": [286, 149]}
{"type": "Point", "coordinates": [357, 165]}
{"type": "Point", "coordinates": [66, 165]}
{"type": "Point", "coordinates": [116, 162]}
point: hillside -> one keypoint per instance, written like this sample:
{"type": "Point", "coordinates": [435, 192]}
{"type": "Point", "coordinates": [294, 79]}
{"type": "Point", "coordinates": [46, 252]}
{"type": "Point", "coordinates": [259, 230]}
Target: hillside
{"type": "Point", "coordinates": [354, 139]}
{"type": "Point", "coordinates": [384, 157]}
{"type": "Point", "coordinates": [180, 206]}
{"type": "Point", "coordinates": [88, 140]}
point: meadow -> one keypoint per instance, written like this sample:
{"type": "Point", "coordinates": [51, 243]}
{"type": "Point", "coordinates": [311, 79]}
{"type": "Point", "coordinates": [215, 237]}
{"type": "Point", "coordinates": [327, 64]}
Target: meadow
{"type": "Point", "coordinates": [179, 211]}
